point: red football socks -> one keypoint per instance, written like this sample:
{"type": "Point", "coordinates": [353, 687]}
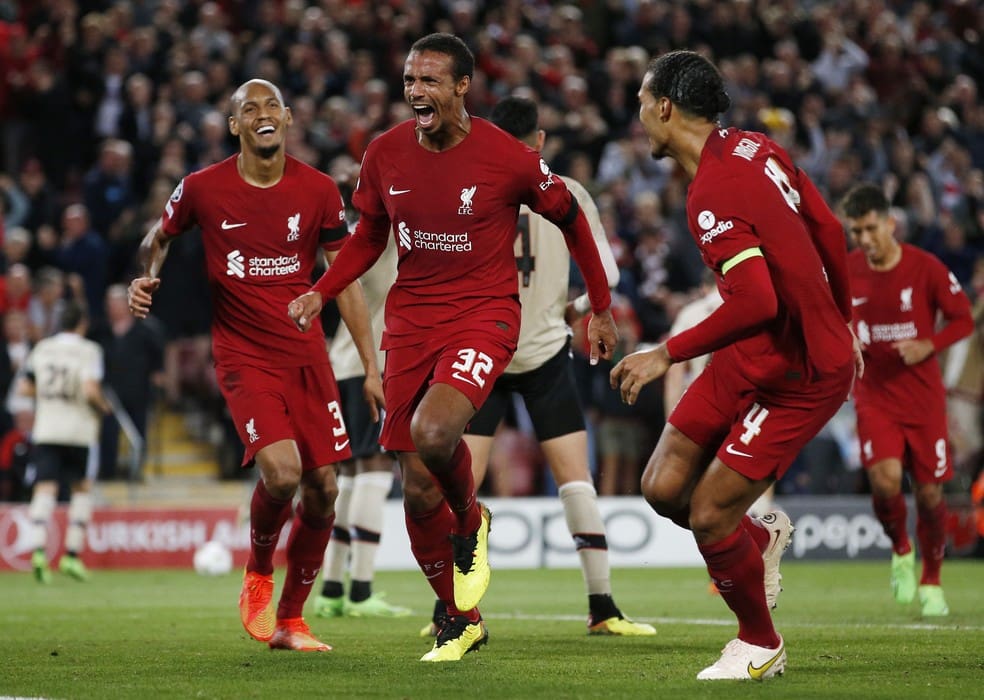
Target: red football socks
{"type": "Point", "coordinates": [735, 565]}
{"type": "Point", "coordinates": [758, 533]}
{"type": "Point", "coordinates": [305, 551]}
{"type": "Point", "coordinates": [431, 547]}
{"type": "Point", "coordinates": [891, 514]}
{"type": "Point", "coordinates": [931, 533]}
{"type": "Point", "coordinates": [458, 485]}
{"type": "Point", "coordinates": [267, 516]}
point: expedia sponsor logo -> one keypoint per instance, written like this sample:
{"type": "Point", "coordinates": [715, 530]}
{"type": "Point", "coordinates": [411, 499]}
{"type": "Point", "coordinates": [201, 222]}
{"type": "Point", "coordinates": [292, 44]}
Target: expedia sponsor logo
{"type": "Point", "coordinates": [712, 232]}
{"type": "Point", "coordinates": [545, 169]}
{"type": "Point", "coordinates": [428, 240]}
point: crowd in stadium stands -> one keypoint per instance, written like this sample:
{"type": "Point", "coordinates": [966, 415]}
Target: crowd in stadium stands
{"type": "Point", "coordinates": [106, 104]}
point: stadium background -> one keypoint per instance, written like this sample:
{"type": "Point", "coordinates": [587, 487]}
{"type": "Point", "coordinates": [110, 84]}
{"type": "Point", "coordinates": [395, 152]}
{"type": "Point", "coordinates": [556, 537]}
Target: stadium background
{"type": "Point", "coordinates": [105, 105]}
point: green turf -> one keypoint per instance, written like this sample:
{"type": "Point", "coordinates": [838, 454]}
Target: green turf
{"type": "Point", "coordinates": [177, 635]}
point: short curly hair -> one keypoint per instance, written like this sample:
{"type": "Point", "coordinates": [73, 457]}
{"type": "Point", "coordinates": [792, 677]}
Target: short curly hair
{"type": "Point", "coordinates": [462, 59]}
{"type": "Point", "coordinates": [864, 198]}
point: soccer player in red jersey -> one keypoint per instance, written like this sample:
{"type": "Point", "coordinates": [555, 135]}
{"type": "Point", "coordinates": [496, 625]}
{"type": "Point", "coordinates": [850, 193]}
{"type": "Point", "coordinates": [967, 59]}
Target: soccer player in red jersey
{"type": "Point", "coordinates": [783, 358]}
{"type": "Point", "coordinates": [264, 216]}
{"type": "Point", "coordinates": [898, 291]}
{"type": "Point", "coordinates": [450, 185]}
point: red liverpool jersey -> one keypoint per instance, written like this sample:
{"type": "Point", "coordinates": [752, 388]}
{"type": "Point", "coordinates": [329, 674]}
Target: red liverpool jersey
{"type": "Point", "coordinates": [261, 245]}
{"type": "Point", "coordinates": [902, 304]}
{"type": "Point", "coordinates": [454, 215]}
{"type": "Point", "coordinates": [747, 194]}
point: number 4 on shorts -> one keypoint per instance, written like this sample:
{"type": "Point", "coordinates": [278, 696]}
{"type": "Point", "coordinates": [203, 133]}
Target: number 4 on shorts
{"type": "Point", "coordinates": [753, 423]}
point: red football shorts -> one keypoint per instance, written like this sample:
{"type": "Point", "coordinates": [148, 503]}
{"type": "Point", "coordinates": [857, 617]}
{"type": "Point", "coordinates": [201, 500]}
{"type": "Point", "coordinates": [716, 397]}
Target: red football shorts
{"type": "Point", "coordinates": [292, 403]}
{"type": "Point", "coordinates": [758, 432]}
{"type": "Point", "coordinates": [469, 359]}
{"type": "Point", "coordinates": [922, 447]}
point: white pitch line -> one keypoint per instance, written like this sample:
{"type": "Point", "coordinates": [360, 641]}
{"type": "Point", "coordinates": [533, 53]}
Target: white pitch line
{"type": "Point", "coordinates": [723, 623]}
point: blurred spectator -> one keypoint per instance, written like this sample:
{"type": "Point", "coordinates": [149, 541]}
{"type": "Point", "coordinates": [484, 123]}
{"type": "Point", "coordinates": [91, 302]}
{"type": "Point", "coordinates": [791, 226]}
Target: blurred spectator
{"type": "Point", "coordinates": [15, 455]}
{"type": "Point", "coordinates": [111, 103]}
{"type": "Point", "coordinates": [949, 243]}
{"type": "Point", "coordinates": [47, 303]}
{"type": "Point", "coordinates": [107, 187]}
{"type": "Point", "coordinates": [136, 127]}
{"type": "Point", "coordinates": [133, 352]}
{"type": "Point", "coordinates": [41, 196]}
{"type": "Point", "coordinates": [17, 343]}
{"type": "Point", "coordinates": [82, 251]}
{"type": "Point", "coordinates": [16, 246]}
{"type": "Point", "coordinates": [15, 289]}
{"type": "Point", "coordinates": [840, 58]}
{"type": "Point", "coordinates": [14, 205]}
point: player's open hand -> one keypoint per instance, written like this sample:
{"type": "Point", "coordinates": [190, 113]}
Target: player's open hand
{"type": "Point", "coordinates": [602, 336]}
{"type": "Point", "coordinates": [372, 391]}
{"type": "Point", "coordinates": [304, 309]}
{"type": "Point", "coordinates": [139, 295]}
{"type": "Point", "coordinates": [637, 370]}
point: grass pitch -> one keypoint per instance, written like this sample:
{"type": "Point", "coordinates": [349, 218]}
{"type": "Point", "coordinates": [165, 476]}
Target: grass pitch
{"type": "Point", "coordinates": [173, 634]}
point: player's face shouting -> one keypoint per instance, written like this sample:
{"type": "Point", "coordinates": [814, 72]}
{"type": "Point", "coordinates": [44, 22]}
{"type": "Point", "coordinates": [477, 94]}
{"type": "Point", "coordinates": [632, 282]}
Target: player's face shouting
{"type": "Point", "coordinates": [432, 92]}
{"type": "Point", "coordinates": [261, 121]}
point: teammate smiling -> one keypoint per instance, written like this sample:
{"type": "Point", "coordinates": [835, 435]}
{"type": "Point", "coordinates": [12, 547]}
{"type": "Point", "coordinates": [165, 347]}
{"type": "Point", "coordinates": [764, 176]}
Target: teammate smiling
{"type": "Point", "coordinates": [264, 215]}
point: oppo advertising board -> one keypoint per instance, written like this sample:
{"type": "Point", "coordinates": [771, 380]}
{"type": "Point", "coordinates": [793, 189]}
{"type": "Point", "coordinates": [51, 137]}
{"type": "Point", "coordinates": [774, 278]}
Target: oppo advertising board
{"type": "Point", "coordinates": [526, 533]}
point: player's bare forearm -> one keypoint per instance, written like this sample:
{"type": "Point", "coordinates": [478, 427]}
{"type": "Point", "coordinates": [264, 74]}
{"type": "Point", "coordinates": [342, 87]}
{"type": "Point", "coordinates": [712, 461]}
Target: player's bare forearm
{"type": "Point", "coordinates": [638, 369]}
{"type": "Point", "coordinates": [152, 253]}
{"type": "Point", "coordinates": [153, 250]}
{"type": "Point", "coordinates": [858, 354]}
{"type": "Point", "coordinates": [96, 399]}
{"type": "Point", "coordinates": [673, 386]}
{"type": "Point", "coordinates": [355, 314]}
{"type": "Point", "coordinates": [602, 335]}
{"type": "Point", "coordinates": [372, 392]}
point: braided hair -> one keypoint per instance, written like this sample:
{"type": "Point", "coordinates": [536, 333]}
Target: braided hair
{"type": "Point", "coordinates": [689, 81]}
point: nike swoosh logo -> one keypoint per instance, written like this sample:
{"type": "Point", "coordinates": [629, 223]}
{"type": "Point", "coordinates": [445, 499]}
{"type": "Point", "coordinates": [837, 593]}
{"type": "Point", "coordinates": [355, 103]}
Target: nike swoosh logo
{"type": "Point", "coordinates": [465, 379]}
{"type": "Point", "coordinates": [430, 576]}
{"type": "Point", "coordinates": [730, 449]}
{"type": "Point", "coordinates": [308, 582]}
{"type": "Point", "coordinates": [226, 225]}
{"type": "Point", "coordinates": [758, 672]}
{"type": "Point", "coordinates": [394, 192]}
{"type": "Point", "coordinates": [339, 446]}
{"type": "Point", "coordinates": [857, 301]}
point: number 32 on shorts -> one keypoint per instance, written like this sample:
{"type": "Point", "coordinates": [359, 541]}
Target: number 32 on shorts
{"type": "Point", "coordinates": [472, 367]}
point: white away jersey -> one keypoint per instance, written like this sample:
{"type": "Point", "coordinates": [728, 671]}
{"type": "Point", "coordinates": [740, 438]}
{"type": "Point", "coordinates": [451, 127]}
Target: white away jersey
{"type": "Point", "coordinates": [376, 283]}
{"type": "Point", "coordinates": [59, 366]}
{"type": "Point", "coordinates": [544, 268]}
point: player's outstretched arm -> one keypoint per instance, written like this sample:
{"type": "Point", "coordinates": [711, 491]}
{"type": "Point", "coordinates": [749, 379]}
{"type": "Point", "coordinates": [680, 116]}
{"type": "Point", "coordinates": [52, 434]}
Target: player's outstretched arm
{"type": "Point", "coordinates": [152, 253]}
